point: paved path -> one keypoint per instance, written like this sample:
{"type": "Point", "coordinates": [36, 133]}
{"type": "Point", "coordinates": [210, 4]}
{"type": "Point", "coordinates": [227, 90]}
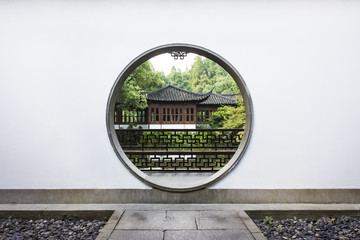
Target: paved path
{"type": "Point", "coordinates": [192, 224]}
{"type": "Point", "coordinates": [179, 221]}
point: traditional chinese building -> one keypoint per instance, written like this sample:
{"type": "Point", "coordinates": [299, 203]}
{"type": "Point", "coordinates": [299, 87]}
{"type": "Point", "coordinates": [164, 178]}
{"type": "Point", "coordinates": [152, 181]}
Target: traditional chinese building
{"type": "Point", "coordinates": [171, 107]}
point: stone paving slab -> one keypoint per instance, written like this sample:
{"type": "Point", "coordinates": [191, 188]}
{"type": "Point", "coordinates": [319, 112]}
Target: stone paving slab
{"type": "Point", "coordinates": [213, 224]}
{"type": "Point", "coordinates": [106, 232]}
{"type": "Point", "coordinates": [221, 223]}
{"type": "Point", "coordinates": [203, 214]}
{"type": "Point", "coordinates": [157, 224]}
{"type": "Point", "coordinates": [144, 214]}
{"type": "Point", "coordinates": [137, 235]}
{"type": "Point", "coordinates": [249, 222]}
{"type": "Point", "coordinates": [208, 235]}
{"type": "Point", "coordinates": [145, 220]}
{"type": "Point", "coordinates": [251, 226]}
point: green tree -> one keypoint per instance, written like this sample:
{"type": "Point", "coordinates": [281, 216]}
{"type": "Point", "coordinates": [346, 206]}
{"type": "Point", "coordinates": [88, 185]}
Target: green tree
{"type": "Point", "coordinates": [179, 79]}
{"type": "Point", "coordinates": [198, 75]}
{"type": "Point", "coordinates": [143, 79]}
{"type": "Point", "coordinates": [226, 85]}
{"type": "Point", "coordinates": [203, 76]}
{"type": "Point", "coordinates": [206, 74]}
{"type": "Point", "coordinates": [163, 78]}
{"type": "Point", "coordinates": [229, 116]}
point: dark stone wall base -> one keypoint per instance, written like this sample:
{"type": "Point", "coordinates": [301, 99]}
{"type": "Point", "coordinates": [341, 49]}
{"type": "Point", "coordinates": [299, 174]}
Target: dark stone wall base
{"type": "Point", "coordinates": [205, 196]}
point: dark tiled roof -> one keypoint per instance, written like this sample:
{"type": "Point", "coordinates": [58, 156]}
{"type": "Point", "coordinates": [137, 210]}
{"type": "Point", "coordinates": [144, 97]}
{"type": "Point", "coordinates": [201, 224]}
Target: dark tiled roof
{"type": "Point", "coordinates": [171, 93]}
{"type": "Point", "coordinates": [217, 99]}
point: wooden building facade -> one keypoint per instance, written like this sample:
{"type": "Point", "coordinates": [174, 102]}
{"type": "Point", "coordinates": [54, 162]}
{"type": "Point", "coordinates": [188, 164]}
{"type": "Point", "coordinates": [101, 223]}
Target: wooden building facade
{"type": "Point", "coordinates": [171, 105]}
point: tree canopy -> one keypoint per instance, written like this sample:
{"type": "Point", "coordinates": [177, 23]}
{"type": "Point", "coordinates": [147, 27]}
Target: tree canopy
{"type": "Point", "coordinates": [179, 79]}
{"type": "Point", "coordinates": [143, 79]}
{"type": "Point", "coordinates": [206, 74]}
{"type": "Point", "coordinates": [203, 76]}
{"type": "Point", "coordinates": [229, 117]}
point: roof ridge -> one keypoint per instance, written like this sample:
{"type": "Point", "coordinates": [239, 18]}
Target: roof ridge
{"type": "Point", "coordinates": [174, 93]}
{"type": "Point", "coordinates": [158, 89]}
{"type": "Point", "coordinates": [218, 99]}
{"type": "Point", "coordinates": [184, 90]}
{"type": "Point", "coordinates": [221, 95]}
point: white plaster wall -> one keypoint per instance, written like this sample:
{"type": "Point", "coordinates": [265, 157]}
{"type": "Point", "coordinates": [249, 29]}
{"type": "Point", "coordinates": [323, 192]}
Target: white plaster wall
{"type": "Point", "coordinates": [59, 60]}
{"type": "Point", "coordinates": [172, 126]}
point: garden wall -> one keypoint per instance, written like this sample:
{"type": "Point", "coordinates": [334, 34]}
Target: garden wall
{"type": "Point", "coordinates": [299, 59]}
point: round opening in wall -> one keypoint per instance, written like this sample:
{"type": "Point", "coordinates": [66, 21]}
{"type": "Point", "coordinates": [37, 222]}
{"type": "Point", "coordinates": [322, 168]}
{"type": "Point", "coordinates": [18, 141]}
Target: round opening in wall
{"type": "Point", "coordinates": [179, 117]}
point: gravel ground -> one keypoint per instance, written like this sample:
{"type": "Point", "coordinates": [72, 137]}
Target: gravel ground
{"type": "Point", "coordinates": [341, 228]}
{"type": "Point", "coordinates": [15, 228]}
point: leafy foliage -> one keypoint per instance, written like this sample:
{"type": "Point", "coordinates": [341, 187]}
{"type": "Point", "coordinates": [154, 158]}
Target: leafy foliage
{"type": "Point", "coordinates": [143, 79]}
{"type": "Point", "coordinates": [179, 79]}
{"type": "Point", "coordinates": [268, 220]}
{"type": "Point", "coordinates": [206, 74]}
{"type": "Point", "coordinates": [229, 116]}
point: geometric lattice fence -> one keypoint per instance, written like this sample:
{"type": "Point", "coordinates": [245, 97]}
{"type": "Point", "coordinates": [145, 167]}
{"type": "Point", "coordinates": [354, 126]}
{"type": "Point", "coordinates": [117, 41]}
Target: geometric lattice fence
{"type": "Point", "coordinates": [179, 150]}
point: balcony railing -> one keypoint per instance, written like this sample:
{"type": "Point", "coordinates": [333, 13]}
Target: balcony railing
{"type": "Point", "coordinates": [179, 150]}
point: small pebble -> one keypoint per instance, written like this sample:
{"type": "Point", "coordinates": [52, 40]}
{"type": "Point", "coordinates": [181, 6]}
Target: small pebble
{"type": "Point", "coordinates": [12, 228]}
{"type": "Point", "coordinates": [344, 228]}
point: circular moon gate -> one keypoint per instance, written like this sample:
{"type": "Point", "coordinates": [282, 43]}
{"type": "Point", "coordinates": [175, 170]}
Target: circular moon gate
{"type": "Point", "coordinates": [167, 184]}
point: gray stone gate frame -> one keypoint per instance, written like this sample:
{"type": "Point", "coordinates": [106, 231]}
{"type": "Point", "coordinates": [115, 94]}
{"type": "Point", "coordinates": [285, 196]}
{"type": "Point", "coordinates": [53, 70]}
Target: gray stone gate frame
{"type": "Point", "coordinates": [157, 182]}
